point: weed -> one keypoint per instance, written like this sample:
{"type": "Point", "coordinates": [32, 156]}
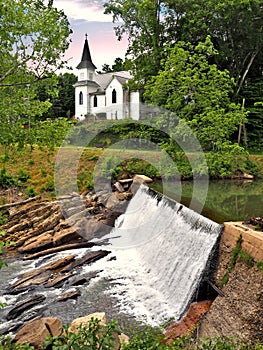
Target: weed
{"type": "Point", "coordinates": [246, 258]}
{"type": "Point", "coordinates": [23, 175]}
{"type": "Point", "coordinates": [233, 259]}
{"type": "Point", "coordinates": [6, 343]}
{"type": "Point", "coordinates": [30, 191]}
{"type": "Point", "coordinates": [224, 279]}
{"type": "Point", "coordinates": [43, 172]}
{"type": "Point", "coordinates": [235, 253]}
{"type": "Point", "coordinates": [93, 157]}
{"type": "Point", "coordinates": [49, 185]}
{"type": "Point", "coordinates": [3, 218]}
{"type": "Point", "coordinates": [7, 180]}
{"type": "Point", "coordinates": [260, 265]}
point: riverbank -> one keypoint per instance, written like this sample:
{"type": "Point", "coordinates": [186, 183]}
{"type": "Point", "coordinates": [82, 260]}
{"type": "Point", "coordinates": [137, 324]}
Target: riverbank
{"type": "Point", "coordinates": [29, 173]}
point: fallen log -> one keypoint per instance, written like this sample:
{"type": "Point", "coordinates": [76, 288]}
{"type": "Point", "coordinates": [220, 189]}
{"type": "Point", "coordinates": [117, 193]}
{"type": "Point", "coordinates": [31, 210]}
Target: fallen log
{"type": "Point", "coordinates": [15, 204]}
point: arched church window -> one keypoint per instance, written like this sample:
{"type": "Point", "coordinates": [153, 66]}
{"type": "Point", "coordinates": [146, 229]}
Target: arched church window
{"type": "Point", "coordinates": [95, 102]}
{"type": "Point", "coordinates": [81, 98]}
{"type": "Point", "coordinates": [114, 96]}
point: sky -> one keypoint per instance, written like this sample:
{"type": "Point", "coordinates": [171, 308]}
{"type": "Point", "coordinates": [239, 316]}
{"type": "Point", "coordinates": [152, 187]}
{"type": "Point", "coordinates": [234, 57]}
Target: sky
{"type": "Point", "coordinates": [86, 16]}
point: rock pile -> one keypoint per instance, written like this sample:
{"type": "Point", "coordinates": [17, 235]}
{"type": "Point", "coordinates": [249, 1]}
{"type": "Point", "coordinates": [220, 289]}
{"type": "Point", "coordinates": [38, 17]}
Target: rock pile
{"type": "Point", "coordinates": [42, 228]}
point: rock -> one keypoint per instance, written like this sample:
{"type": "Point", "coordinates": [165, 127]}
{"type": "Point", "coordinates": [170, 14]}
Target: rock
{"type": "Point", "coordinates": [78, 245]}
{"type": "Point", "coordinates": [115, 204]}
{"type": "Point", "coordinates": [108, 217]}
{"type": "Point", "coordinates": [60, 263]}
{"type": "Point", "coordinates": [46, 225]}
{"type": "Point", "coordinates": [42, 274]}
{"type": "Point", "coordinates": [19, 227]}
{"type": "Point", "coordinates": [58, 280]}
{"type": "Point", "coordinates": [118, 187]}
{"type": "Point", "coordinates": [248, 176]}
{"type": "Point", "coordinates": [123, 196]}
{"type": "Point", "coordinates": [124, 339]}
{"type": "Point", "coordinates": [79, 281]}
{"type": "Point", "coordinates": [35, 332]}
{"type": "Point", "coordinates": [44, 240]}
{"type": "Point", "coordinates": [125, 181]}
{"type": "Point", "coordinates": [84, 321]}
{"type": "Point", "coordinates": [88, 258]}
{"type": "Point", "coordinates": [189, 322]}
{"type": "Point", "coordinates": [65, 236]}
{"type": "Point", "coordinates": [134, 187]}
{"type": "Point", "coordinates": [88, 228]}
{"type": "Point", "coordinates": [38, 278]}
{"type": "Point", "coordinates": [24, 305]}
{"type": "Point", "coordinates": [86, 279]}
{"type": "Point", "coordinates": [70, 295]}
{"type": "Point", "coordinates": [142, 178]}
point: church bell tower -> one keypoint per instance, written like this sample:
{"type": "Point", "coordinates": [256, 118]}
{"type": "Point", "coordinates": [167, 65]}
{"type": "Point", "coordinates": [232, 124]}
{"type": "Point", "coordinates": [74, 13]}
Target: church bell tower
{"type": "Point", "coordinates": [86, 83]}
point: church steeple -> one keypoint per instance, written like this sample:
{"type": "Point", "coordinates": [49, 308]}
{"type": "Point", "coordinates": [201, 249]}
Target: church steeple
{"type": "Point", "coordinates": [86, 61]}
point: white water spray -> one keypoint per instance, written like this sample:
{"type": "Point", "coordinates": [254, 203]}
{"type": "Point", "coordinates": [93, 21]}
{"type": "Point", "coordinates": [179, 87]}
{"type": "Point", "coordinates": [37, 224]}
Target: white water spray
{"type": "Point", "coordinates": [162, 250]}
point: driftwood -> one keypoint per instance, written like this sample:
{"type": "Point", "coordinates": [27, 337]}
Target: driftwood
{"type": "Point", "coordinates": [15, 204]}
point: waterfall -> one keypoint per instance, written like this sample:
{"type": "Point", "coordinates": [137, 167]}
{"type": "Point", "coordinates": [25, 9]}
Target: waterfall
{"type": "Point", "coordinates": [160, 253]}
{"type": "Point", "coordinates": [162, 249]}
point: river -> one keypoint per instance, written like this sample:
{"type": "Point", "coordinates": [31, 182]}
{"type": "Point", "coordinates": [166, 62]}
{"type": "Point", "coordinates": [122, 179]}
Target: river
{"type": "Point", "coordinates": [226, 200]}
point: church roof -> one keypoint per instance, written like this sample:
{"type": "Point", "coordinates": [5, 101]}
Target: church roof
{"type": "Point", "coordinates": [86, 61]}
{"type": "Point", "coordinates": [105, 79]}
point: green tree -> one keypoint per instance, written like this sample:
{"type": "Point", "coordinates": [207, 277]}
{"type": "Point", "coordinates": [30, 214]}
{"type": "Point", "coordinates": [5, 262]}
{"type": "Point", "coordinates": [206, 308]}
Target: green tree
{"type": "Point", "coordinates": [118, 65]}
{"type": "Point", "coordinates": [143, 22]}
{"type": "Point", "coordinates": [235, 27]}
{"type": "Point", "coordinates": [61, 96]}
{"type": "Point", "coordinates": [198, 93]}
{"type": "Point", "coordinates": [33, 39]}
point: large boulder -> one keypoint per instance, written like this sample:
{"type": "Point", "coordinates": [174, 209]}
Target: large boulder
{"type": "Point", "coordinates": [35, 332]}
{"type": "Point", "coordinates": [101, 317]}
{"type": "Point", "coordinates": [84, 321]}
{"type": "Point", "coordinates": [142, 178]}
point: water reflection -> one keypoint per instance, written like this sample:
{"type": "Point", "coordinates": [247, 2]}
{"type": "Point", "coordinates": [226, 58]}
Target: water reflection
{"type": "Point", "coordinates": [227, 200]}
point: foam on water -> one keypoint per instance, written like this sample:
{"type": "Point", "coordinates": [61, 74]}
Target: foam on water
{"type": "Point", "coordinates": [162, 250]}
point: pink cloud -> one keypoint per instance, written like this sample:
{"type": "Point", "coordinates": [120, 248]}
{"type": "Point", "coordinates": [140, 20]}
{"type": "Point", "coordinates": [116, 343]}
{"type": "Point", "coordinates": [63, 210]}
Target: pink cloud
{"type": "Point", "coordinates": [86, 16]}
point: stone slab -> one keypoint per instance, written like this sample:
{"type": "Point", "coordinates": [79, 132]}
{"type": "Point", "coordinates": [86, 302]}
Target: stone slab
{"type": "Point", "coordinates": [252, 241]}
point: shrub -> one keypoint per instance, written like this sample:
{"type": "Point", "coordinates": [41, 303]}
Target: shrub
{"type": "Point", "coordinates": [246, 258]}
{"type": "Point", "coordinates": [91, 337]}
{"type": "Point", "coordinates": [7, 180]}
{"type": "Point", "coordinates": [3, 218]}
{"type": "Point", "coordinates": [6, 343]}
{"type": "Point", "coordinates": [23, 175]}
{"type": "Point", "coordinates": [30, 191]}
{"type": "Point", "coordinates": [260, 265]}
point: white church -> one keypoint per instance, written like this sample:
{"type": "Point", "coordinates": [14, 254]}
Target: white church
{"type": "Point", "coordinates": [105, 96]}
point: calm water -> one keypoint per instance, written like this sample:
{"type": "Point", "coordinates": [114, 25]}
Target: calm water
{"type": "Point", "coordinates": [226, 200]}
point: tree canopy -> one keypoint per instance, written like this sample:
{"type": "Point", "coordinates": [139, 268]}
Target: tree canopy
{"type": "Point", "coordinates": [197, 92]}
{"type": "Point", "coordinates": [33, 38]}
{"type": "Point", "coordinates": [118, 65]}
{"type": "Point", "coordinates": [235, 28]}
{"type": "Point", "coordinates": [63, 102]}
{"type": "Point", "coordinates": [155, 27]}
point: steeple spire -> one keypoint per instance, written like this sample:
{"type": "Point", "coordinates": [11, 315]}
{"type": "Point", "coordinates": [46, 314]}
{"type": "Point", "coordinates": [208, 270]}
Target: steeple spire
{"type": "Point", "coordinates": [86, 61]}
